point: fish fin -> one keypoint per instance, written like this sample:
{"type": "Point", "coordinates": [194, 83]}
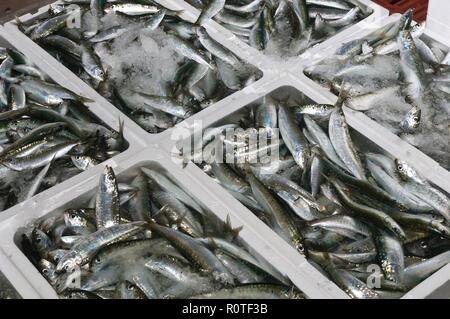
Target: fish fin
{"type": "Point", "coordinates": [18, 21]}
{"type": "Point", "coordinates": [228, 228]}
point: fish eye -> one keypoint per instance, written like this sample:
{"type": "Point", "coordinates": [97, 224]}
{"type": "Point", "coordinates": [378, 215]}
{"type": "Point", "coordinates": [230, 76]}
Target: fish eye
{"type": "Point", "coordinates": [315, 228]}
{"type": "Point", "coordinates": [73, 216]}
{"type": "Point", "coordinates": [97, 260]}
{"type": "Point", "coordinates": [400, 166]}
{"type": "Point", "coordinates": [45, 271]}
{"type": "Point", "coordinates": [38, 239]}
{"type": "Point", "coordinates": [130, 287]}
{"type": "Point", "coordinates": [423, 244]}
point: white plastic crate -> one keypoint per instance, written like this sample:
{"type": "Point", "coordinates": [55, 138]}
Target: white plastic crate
{"type": "Point", "coordinates": [111, 117]}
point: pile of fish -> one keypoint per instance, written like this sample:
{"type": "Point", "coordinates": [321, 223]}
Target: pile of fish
{"type": "Point", "coordinates": [282, 27]}
{"type": "Point", "coordinates": [146, 239]}
{"type": "Point", "coordinates": [349, 212]}
{"type": "Point", "coordinates": [47, 134]}
{"type": "Point", "coordinates": [6, 289]}
{"type": "Point", "coordinates": [155, 67]}
{"type": "Point", "coordinates": [398, 78]}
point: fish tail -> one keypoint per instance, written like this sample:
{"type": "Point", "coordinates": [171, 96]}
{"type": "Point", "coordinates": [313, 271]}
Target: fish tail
{"type": "Point", "coordinates": [343, 96]}
{"type": "Point", "coordinates": [84, 100]}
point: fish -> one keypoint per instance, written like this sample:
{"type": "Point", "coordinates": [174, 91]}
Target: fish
{"type": "Point", "coordinates": [91, 64]}
{"type": "Point", "coordinates": [395, 189]}
{"type": "Point", "coordinates": [107, 201]}
{"type": "Point", "coordinates": [50, 26]}
{"type": "Point", "coordinates": [414, 274]}
{"type": "Point", "coordinates": [189, 51]}
{"type": "Point", "coordinates": [216, 49]}
{"type": "Point", "coordinates": [131, 9]}
{"type": "Point", "coordinates": [368, 213]}
{"type": "Point", "coordinates": [324, 142]}
{"type": "Point", "coordinates": [427, 247]}
{"type": "Point", "coordinates": [354, 287]}
{"type": "Point", "coordinates": [412, 66]}
{"type": "Point", "coordinates": [344, 225]}
{"type": "Point", "coordinates": [89, 47]}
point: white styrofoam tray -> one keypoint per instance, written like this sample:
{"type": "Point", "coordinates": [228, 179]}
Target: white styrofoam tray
{"type": "Point", "coordinates": [287, 82]}
{"type": "Point", "coordinates": [399, 148]}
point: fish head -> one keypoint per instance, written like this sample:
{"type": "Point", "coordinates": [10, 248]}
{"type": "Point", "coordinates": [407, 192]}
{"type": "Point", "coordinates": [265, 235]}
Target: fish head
{"type": "Point", "coordinates": [69, 263]}
{"type": "Point", "coordinates": [74, 217]}
{"type": "Point", "coordinates": [47, 270]}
